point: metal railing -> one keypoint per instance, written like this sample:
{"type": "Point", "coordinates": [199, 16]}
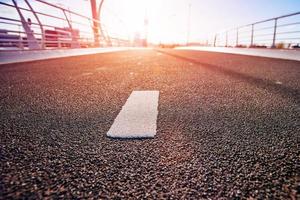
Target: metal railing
{"type": "Point", "coordinates": [277, 32]}
{"type": "Point", "coordinates": [24, 27]}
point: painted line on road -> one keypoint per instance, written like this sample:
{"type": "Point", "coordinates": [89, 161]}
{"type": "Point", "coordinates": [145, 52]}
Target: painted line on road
{"type": "Point", "coordinates": [138, 116]}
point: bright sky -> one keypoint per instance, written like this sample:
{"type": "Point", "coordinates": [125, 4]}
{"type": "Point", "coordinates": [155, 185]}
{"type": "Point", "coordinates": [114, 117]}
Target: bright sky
{"type": "Point", "coordinates": [168, 19]}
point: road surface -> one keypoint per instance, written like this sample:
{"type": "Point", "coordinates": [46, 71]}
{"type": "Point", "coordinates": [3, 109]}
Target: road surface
{"type": "Point", "coordinates": [227, 127]}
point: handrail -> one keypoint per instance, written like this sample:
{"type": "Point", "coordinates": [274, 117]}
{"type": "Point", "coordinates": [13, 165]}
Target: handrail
{"type": "Point", "coordinates": [44, 33]}
{"type": "Point", "coordinates": [239, 33]}
{"type": "Point", "coordinates": [53, 5]}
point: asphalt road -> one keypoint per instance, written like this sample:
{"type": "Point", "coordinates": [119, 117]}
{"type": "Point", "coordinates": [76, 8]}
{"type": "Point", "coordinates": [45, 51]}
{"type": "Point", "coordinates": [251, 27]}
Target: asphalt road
{"type": "Point", "coordinates": [228, 127]}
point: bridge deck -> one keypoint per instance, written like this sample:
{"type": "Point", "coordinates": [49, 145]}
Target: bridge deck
{"type": "Point", "coordinates": [227, 126]}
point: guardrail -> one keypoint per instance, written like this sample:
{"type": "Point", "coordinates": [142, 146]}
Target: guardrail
{"type": "Point", "coordinates": [277, 32]}
{"type": "Point", "coordinates": [24, 28]}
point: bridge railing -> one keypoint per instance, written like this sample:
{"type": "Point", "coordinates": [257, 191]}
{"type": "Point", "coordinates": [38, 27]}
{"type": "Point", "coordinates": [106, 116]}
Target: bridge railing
{"type": "Point", "coordinates": [38, 24]}
{"type": "Point", "coordinates": [277, 32]}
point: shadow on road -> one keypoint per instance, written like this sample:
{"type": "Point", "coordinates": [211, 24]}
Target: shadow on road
{"type": "Point", "coordinates": [288, 92]}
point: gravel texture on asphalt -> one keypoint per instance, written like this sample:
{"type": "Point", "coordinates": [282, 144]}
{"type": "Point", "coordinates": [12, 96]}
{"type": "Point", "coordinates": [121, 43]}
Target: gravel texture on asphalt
{"type": "Point", "coordinates": [228, 127]}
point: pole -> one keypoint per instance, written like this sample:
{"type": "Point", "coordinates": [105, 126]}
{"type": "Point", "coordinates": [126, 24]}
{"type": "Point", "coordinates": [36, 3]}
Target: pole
{"type": "Point", "coordinates": [188, 26]}
{"type": "Point", "coordinates": [215, 40]}
{"type": "Point", "coordinates": [31, 40]}
{"type": "Point", "coordinates": [252, 35]}
{"type": "Point", "coordinates": [100, 23]}
{"type": "Point", "coordinates": [40, 24]}
{"type": "Point", "coordinates": [146, 22]}
{"type": "Point", "coordinates": [95, 23]}
{"type": "Point", "coordinates": [226, 44]}
{"type": "Point", "coordinates": [237, 37]}
{"type": "Point", "coordinates": [274, 34]}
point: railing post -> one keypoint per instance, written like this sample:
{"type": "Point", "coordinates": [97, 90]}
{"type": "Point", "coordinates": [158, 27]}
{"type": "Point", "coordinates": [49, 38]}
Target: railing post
{"type": "Point", "coordinates": [215, 40]}
{"type": "Point", "coordinates": [74, 43]}
{"type": "Point", "coordinates": [31, 40]}
{"type": "Point", "coordinates": [95, 23]}
{"type": "Point", "coordinates": [226, 45]}
{"type": "Point", "coordinates": [20, 45]}
{"type": "Point", "coordinates": [101, 36]}
{"type": "Point", "coordinates": [237, 37]}
{"type": "Point", "coordinates": [252, 35]}
{"type": "Point", "coordinates": [40, 24]}
{"type": "Point", "coordinates": [274, 34]}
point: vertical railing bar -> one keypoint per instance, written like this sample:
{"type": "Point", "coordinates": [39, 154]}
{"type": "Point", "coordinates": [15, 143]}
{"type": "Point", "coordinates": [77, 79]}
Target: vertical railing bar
{"type": "Point", "coordinates": [21, 46]}
{"type": "Point", "coordinates": [274, 33]}
{"type": "Point", "coordinates": [215, 40]}
{"type": "Point", "coordinates": [252, 43]}
{"type": "Point", "coordinates": [252, 35]}
{"type": "Point", "coordinates": [237, 37]}
{"type": "Point", "coordinates": [74, 40]}
{"type": "Point", "coordinates": [226, 45]}
{"type": "Point", "coordinates": [33, 44]}
{"type": "Point", "coordinates": [39, 22]}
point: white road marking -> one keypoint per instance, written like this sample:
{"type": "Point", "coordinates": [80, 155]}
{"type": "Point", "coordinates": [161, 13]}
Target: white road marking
{"type": "Point", "coordinates": [278, 83]}
{"type": "Point", "coordinates": [138, 116]}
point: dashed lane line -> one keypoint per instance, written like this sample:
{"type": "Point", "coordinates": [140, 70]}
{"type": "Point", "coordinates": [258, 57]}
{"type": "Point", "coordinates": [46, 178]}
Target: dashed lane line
{"type": "Point", "coordinates": [138, 116]}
